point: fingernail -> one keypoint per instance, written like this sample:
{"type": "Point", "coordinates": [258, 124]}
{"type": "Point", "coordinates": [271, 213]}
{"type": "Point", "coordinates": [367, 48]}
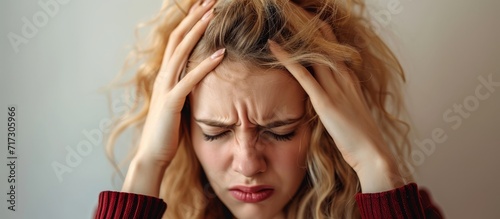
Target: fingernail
{"type": "Point", "coordinates": [206, 2]}
{"type": "Point", "coordinates": [218, 53]}
{"type": "Point", "coordinates": [206, 15]}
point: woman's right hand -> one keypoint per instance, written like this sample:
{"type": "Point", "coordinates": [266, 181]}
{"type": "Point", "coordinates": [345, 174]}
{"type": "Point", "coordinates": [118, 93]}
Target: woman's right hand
{"type": "Point", "coordinates": [160, 136]}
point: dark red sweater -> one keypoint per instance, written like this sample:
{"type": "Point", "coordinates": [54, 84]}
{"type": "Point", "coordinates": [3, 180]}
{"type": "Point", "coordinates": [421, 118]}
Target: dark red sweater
{"type": "Point", "coordinates": [405, 202]}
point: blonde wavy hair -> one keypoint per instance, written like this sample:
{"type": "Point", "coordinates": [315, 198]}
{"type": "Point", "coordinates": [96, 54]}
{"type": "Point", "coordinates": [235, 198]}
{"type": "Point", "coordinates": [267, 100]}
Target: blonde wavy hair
{"type": "Point", "coordinates": [243, 28]}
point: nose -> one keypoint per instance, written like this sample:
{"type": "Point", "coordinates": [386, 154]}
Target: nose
{"type": "Point", "coordinates": [248, 159]}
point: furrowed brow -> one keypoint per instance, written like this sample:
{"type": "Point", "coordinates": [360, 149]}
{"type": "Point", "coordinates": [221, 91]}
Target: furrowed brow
{"type": "Point", "coordinates": [270, 125]}
{"type": "Point", "coordinates": [280, 123]}
{"type": "Point", "coordinates": [214, 123]}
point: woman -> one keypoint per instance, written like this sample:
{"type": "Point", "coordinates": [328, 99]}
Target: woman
{"type": "Point", "coordinates": [267, 109]}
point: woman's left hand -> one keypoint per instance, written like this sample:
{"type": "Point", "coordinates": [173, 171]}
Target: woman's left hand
{"type": "Point", "coordinates": [338, 100]}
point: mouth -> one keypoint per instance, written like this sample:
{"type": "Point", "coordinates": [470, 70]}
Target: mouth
{"type": "Point", "coordinates": [251, 194]}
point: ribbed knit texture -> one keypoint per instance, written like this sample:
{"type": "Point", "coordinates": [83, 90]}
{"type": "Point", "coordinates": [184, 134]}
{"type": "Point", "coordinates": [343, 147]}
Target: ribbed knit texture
{"type": "Point", "coordinates": [404, 202]}
{"type": "Point", "coordinates": [118, 205]}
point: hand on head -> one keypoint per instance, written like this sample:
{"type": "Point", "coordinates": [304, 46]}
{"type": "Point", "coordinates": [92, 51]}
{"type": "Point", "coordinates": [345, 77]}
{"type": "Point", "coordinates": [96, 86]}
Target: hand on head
{"type": "Point", "coordinates": [160, 136]}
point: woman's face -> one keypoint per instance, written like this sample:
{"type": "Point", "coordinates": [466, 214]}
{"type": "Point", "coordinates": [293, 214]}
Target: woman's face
{"type": "Point", "coordinates": [248, 134]}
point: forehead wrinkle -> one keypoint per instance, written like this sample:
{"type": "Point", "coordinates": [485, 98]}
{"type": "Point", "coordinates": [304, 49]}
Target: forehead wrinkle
{"type": "Point", "coordinates": [205, 93]}
{"type": "Point", "coordinates": [217, 122]}
{"type": "Point", "coordinates": [278, 109]}
{"type": "Point", "coordinates": [231, 82]}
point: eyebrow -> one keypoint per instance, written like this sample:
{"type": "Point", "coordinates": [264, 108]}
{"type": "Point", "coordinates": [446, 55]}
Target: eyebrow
{"type": "Point", "coordinates": [270, 125]}
{"type": "Point", "coordinates": [215, 123]}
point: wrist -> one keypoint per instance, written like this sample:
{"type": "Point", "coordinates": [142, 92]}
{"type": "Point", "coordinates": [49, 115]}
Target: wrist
{"type": "Point", "coordinates": [379, 175]}
{"type": "Point", "coordinates": [144, 177]}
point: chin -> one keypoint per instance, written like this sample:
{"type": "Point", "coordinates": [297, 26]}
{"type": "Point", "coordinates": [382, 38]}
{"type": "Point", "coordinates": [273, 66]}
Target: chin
{"type": "Point", "coordinates": [256, 211]}
{"type": "Point", "coordinates": [257, 215]}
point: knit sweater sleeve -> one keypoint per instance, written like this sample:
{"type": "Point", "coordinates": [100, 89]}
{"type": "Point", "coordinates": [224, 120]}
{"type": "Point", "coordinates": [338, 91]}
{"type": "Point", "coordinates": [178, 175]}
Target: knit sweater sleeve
{"type": "Point", "coordinates": [404, 202]}
{"type": "Point", "coordinates": [128, 205]}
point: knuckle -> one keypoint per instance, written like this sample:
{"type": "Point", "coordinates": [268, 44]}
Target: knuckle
{"type": "Point", "coordinates": [175, 35]}
{"type": "Point", "coordinates": [178, 33]}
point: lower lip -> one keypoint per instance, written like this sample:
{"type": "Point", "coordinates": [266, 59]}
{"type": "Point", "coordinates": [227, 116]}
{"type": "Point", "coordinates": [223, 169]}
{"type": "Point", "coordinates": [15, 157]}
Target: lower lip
{"type": "Point", "coordinates": [252, 197]}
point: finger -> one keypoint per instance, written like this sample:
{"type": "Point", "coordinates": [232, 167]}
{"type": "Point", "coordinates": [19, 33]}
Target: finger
{"type": "Point", "coordinates": [325, 76]}
{"type": "Point", "coordinates": [181, 53]}
{"type": "Point", "coordinates": [342, 72]}
{"type": "Point", "coordinates": [325, 29]}
{"type": "Point", "coordinates": [303, 76]}
{"type": "Point", "coordinates": [326, 79]}
{"type": "Point", "coordinates": [335, 83]}
{"type": "Point", "coordinates": [348, 84]}
{"type": "Point", "coordinates": [186, 24]}
{"type": "Point", "coordinates": [186, 84]}
{"type": "Point", "coordinates": [195, 5]}
{"type": "Point", "coordinates": [195, 13]}
{"type": "Point", "coordinates": [171, 67]}
{"type": "Point", "coordinates": [347, 79]}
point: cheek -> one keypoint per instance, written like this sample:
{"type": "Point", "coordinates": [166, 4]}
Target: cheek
{"type": "Point", "coordinates": [209, 155]}
{"type": "Point", "coordinates": [297, 159]}
{"type": "Point", "coordinates": [292, 155]}
{"type": "Point", "coordinates": [199, 145]}
{"type": "Point", "coordinates": [302, 145]}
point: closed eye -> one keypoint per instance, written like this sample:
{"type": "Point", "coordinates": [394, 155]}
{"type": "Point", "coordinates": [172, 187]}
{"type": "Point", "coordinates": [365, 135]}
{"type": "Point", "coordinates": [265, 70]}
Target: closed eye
{"type": "Point", "coordinates": [215, 137]}
{"type": "Point", "coordinates": [278, 137]}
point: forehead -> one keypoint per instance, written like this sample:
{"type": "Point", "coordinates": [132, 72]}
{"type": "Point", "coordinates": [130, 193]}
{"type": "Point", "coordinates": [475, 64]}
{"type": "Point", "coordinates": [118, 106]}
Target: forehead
{"type": "Point", "coordinates": [233, 88]}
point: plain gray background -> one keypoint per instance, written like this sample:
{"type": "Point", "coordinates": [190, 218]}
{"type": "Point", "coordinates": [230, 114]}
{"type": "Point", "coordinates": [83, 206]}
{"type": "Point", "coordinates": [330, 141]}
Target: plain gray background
{"type": "Point", "coordinates": [446, 47]}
